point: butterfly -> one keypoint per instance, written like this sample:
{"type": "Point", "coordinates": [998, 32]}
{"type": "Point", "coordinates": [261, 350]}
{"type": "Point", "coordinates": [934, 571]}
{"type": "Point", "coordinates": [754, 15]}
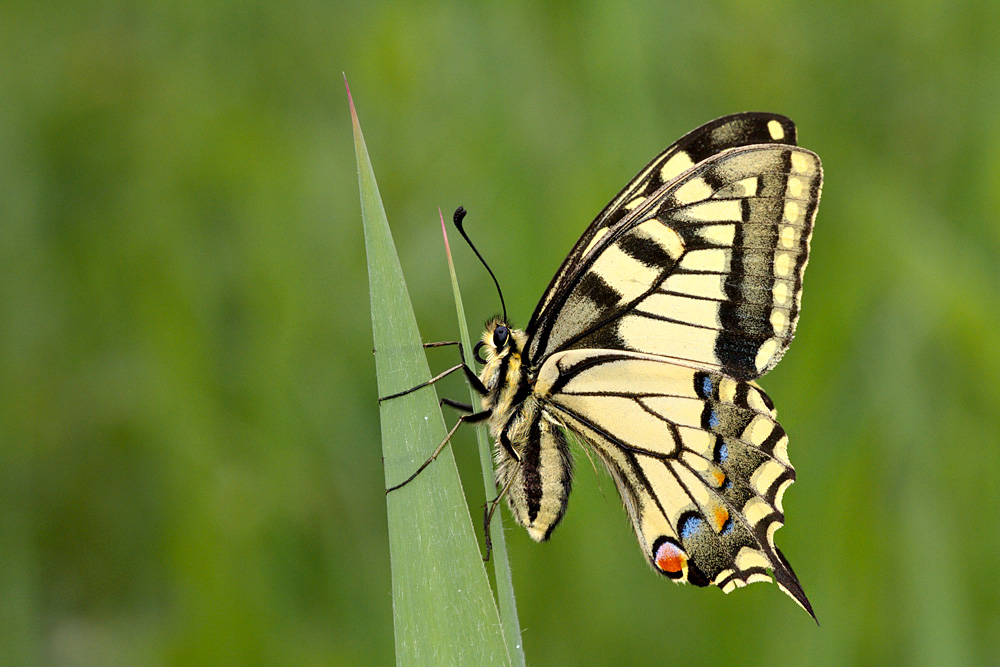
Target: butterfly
{"type": "Point", "coordinates": [646, 345]}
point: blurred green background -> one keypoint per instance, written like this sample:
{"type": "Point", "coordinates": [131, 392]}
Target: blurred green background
{"type": "Point", "coordinates": [190, 462]}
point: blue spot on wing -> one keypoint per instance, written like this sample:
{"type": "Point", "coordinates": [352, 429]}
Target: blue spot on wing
{"type": "Point", "coordinates": [713, 419]}
{"type": "Point", "coordinates": [690, 526]}
{"type": "Point", "coordinates": [706, 387]}
{"type": "Point", "coordinates": [721, 451]}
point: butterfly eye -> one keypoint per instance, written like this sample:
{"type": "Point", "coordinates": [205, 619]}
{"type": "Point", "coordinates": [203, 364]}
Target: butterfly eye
{"type": "Point", "coordinates": [500, 335]}
{"type": "Point", "coordinates": [475, 352]}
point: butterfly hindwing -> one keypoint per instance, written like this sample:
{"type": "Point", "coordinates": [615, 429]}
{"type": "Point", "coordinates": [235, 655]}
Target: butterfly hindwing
{"type": "Point", "coordinates": [698, 457]}
{"type": "Point", "coordinates": [712, 138]}
{"type": "Point", "coordinates": [708, 270]}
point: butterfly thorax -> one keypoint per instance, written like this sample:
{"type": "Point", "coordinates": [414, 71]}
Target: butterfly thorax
{"type": "Point", "coordinates": [504, 373]}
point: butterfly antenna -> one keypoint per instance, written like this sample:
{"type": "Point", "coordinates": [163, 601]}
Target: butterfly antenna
{"type": "Point", "coordinates": [459, 215]}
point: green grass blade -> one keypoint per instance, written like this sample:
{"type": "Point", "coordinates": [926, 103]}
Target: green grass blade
{"type": "Point", "coordinates": [443, 608]}
{"type": "Point", "coordinates": [501, 564]}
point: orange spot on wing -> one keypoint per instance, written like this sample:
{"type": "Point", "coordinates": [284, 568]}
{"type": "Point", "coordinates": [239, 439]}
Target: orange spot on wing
{"type": "Point", "coordinates": [670, 558]}
{"type": "Point", "coordinates": [720, 515]}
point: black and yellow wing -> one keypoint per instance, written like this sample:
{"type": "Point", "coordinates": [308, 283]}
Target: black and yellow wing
{"type": "Point", "coordinates": [707, 270]}
{"type": "Point", "coordinates": [712, 138]}
{"type": "Point", "coordinates": [698, 457]}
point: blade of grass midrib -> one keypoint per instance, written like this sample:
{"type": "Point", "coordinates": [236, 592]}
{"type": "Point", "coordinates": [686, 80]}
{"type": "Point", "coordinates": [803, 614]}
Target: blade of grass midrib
{"type": "Point", "coordinates": [443, 608]}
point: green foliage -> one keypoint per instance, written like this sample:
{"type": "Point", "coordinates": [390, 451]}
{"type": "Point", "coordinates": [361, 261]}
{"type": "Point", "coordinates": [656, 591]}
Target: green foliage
{"type": "Point", "coordinates": [190, 470]}
{"type": "Point", "coordinates": [443, 608]}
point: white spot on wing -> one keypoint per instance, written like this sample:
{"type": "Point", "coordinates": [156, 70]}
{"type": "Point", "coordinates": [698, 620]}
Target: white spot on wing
{"type": "Point", "coordinates": [782, 292]}
{"type": "Point", "coordinates": [792, 212]}
{"type": "Point", "coordinates": [779, 321]}
{"type": "Point", "coordinates": [788, 236]}
{"type": "Point", "coordinates": [796, 186]}
{"type": "Point", "coordinates": [758, 430]}
{"type": "Point", "coordinates": [783, 264]}
{"type": "Point", "coordinates": [765, 354]}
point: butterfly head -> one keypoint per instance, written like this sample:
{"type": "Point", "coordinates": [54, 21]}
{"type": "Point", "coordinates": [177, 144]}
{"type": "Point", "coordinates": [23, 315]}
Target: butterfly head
{"type": "Point", "coordinates": [499, 340]}
{"type": "Point", "coordinates": [499, 351]}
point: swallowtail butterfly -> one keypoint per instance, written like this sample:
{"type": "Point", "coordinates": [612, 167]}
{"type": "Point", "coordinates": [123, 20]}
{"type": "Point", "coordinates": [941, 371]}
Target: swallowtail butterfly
{"type": "Point", "coordinates": [646, 345]}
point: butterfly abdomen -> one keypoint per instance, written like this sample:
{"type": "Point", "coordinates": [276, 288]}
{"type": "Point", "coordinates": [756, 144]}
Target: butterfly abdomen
{"type": "Point", "coordinates": [532, 455]}
{"type": "Point", "coordinates": [540, 480]}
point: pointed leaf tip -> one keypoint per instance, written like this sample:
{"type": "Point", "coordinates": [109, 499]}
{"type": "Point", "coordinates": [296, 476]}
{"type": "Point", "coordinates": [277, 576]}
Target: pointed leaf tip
{"type": "Point", "coordinates": [350, 100]}
{"type": "Point", "coordinates": [444, 233]}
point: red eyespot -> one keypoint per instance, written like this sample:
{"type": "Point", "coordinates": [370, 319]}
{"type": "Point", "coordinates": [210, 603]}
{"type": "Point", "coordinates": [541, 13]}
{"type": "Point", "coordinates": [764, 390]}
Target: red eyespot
{"type": "Point", "coordinates": [670, 559]}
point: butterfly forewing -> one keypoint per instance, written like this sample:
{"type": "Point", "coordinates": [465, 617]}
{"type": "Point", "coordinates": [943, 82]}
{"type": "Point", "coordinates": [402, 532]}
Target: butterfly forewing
{"type": "Point", "coordinates": [710, 139]}
{"type": "Point", "coordinates": [707, 271]}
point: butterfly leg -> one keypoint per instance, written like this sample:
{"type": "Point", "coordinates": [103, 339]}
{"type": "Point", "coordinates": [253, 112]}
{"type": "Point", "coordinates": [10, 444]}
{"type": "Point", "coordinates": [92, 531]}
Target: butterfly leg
{"type": "Point", "coordinates": [470, 419]}
{"type": "Point", "coordinates": [488, 510]}
{"type": "Point", "coordinates": [470, 375]}
{"type": "Point", "coordinates": [445, 343]}
{"type": "Point", "coordinates": [458, 405]}
{"type": "Point", "coordinates": [461, 350]}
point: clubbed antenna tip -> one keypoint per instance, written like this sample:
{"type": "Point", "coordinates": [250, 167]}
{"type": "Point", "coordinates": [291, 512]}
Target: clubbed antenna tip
{"type": "Point", "coordinates": [458, 217]}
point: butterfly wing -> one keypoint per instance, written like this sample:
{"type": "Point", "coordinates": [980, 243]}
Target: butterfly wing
{"type": "Point", "coordinates": [698, 457]}
{"type": "Point", "coordinates": [712, 138]}
{"type": "Point", "coordinates": [707, 270]}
